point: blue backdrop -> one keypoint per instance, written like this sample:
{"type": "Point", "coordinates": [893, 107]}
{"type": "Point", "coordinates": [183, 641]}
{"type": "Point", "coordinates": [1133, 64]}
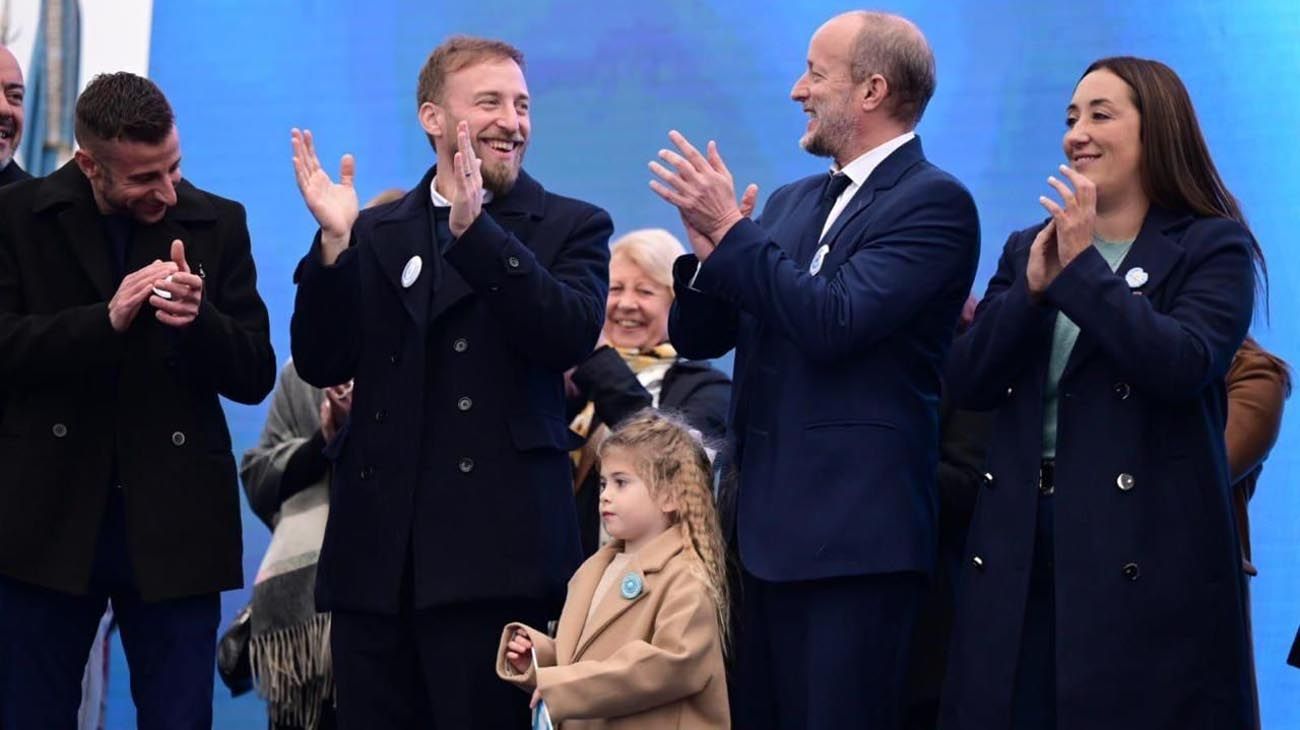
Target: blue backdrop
{"type": "Point", "coordinates": [609, 81]}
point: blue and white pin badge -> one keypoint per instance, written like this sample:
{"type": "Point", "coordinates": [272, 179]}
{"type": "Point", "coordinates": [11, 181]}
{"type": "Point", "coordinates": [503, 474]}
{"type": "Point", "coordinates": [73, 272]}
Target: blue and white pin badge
{"type": "Point", "coordinates": [411, 271]}
{"type": "Point", "coordinates": [631, 585]}
{"type": "Point", "coordinates": [1136, 277]}
{"type": "Point", "coordinates": [818, 259]}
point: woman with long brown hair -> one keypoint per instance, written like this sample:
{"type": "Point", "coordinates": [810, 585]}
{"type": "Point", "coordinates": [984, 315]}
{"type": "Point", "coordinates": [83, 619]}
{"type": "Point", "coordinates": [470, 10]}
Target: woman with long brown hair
{"type": "Point", "coordinates": [1103, 583]}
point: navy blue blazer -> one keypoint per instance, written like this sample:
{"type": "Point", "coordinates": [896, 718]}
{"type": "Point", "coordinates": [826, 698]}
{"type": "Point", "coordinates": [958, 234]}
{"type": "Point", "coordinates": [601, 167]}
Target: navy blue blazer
{"type": "Point", "coordinates": [456, 450]}
{"type": "Point", "coordinates": [1149, 610]}
{"type": "Point", "coordinates": [835, 412]}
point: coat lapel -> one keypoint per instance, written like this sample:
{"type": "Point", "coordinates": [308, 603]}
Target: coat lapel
{"type": "Point", "coordinates": [403, 232]}
{"type": "Point", "coordinates": [1155, 253]}
{"type": "Point", "coordinates": [646, 563]}
{"type": "Point", "coordinates": [578, 604]}
{"type": "Point", "coordinates": [66, 193]}
{"type": "Point", "coordinates": [885, 176]}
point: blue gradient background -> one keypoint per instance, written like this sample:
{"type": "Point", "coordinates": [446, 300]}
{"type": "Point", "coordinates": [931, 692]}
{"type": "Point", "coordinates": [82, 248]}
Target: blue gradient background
{"type": "Point", "coordinates": [610, 79]}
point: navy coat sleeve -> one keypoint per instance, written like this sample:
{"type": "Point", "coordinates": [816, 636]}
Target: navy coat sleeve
{"type": "Point", "coordinates": [1176, 353]}
{"type": "Point", "coordinates": [988, 357]}
{"type": "Point", "coordinates": [700, 326]}
{"type": "Point", "coordinates": [553, 315]}
{"type": "Point", "coordinates": [879, 288]}
{"type": "Point", "coordinates": [325, 332]}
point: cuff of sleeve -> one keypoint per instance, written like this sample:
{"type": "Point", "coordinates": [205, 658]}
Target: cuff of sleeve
{"type": "Point", "coordinates": [487, 256]}
{"type": "Point", "coordinates": [603, 365]}
{"type": "Point", "coordinates": [714, 275]}
{"type": "Point", "coordinates": [1075, 286]}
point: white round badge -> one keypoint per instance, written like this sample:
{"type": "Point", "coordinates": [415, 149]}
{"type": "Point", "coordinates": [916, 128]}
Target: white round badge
{"type": "Point", "coordinates": [411, 271]}
{"type": "Point", "coordinates": [818, 259]}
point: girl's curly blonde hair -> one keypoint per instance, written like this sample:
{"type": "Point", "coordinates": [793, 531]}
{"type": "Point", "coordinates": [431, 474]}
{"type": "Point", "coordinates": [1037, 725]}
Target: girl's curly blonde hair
{"type": "Point", "coordinates": [671, 459]}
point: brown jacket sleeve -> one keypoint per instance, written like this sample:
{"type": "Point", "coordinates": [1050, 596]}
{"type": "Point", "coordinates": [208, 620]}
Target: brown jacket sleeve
{"type": "Point", "coordinates": [1257, 386]}
{"type": "Point", "coordinates": [642, 675]}
{"type": "Point", "coordinates": [543, 647]}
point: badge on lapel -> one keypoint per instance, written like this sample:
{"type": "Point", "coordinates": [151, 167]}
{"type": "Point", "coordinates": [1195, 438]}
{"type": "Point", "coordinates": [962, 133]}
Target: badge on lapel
{"type": "Point", "coordinates": [818, 259]}
{"type": "Point", "coordinates": [630, 587]}
{"type": "Point", "coordinates": [1136, 277]}
{"type": "Point", "coordinates": [411, 271]}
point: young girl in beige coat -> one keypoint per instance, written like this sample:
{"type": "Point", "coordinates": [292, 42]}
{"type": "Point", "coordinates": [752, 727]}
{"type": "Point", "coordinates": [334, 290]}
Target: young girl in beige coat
{"type": "Point", "coordinates": [640, 641]}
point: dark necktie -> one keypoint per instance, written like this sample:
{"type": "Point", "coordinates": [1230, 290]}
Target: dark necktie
{"type": "Point", "coordinates": [835, 185]}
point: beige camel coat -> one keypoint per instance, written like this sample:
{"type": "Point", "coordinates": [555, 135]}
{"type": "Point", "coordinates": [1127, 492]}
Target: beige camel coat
{"type": "Point", "coordinates": [652, 661]}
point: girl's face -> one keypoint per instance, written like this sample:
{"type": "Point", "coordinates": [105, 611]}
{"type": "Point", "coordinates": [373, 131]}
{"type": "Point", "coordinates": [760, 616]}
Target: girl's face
{"type": "Point", "coordinates": [1103, 137]}
{"type": "Point", "coordinates": [627, 508]}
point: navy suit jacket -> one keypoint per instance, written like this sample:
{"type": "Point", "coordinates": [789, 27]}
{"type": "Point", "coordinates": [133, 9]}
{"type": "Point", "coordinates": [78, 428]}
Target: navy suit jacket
{"type": "Point", "coordinates": [456, 449]}
{"type": "Point", "coordinates": [835, 413]}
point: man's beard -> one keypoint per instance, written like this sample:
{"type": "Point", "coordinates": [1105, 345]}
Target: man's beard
{"type": "Point", "coordinates": [834, 128]}
{"type": "Point", "coordinates": [500, 177]}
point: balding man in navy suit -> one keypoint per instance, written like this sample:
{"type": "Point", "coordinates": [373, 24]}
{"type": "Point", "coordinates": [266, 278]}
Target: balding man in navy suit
{"type": "Point", "coordinates": [841, 302]}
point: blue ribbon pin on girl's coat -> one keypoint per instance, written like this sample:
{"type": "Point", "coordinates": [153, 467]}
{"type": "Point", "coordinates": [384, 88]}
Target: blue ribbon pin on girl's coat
{"type": "Point", "coordinates": [631, 585]}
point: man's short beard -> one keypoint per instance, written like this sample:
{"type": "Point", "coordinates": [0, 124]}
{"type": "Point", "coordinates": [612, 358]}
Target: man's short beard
{"type": "Point", "coordinates": [499, 178]}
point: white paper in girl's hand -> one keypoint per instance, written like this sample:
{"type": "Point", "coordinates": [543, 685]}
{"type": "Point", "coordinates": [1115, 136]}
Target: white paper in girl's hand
{"type": "Point", "coordinates": [541, 715]}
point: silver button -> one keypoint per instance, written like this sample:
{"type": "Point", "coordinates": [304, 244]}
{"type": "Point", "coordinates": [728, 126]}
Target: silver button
{"type": "Point", "coordinates": [978, 562]}
{"type": "Point", "coordinates": [513, 262]}
{"type": "Point", "coordinates": [59, 430]}
{"type": "Point", "coordinates": [1010, 391]}
{"type": "Point", "coordinates": [465, 404]}
{"type": "Point", "coordinates": [178, 439]}
{"type": "Point", "coordinates": [1122, 390]}
{"type": "Point", "coordinates": [460, 345]}
{"type": "Point", "coordinates": [466, 465]}
{"type": "Point", "coordinates": [1131, 571]}
{"type": "Point", "coordinates": [1124, 482]}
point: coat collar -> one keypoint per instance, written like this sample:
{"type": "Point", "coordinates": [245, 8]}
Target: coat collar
{"type": "Point", "coordinates": [66, 194]}
{"type": "Point", "coordinates": [575, 632]}
{"type": "Point", "coordinates": [1156, 250]}
{"type": "Point", "coordinates": [407, 227]}
{"type": "Point", "coordinates": [885, 176]}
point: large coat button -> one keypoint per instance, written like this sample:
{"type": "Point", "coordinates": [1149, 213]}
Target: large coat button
{"type": "Point", "coordinates": [380, 415]}
{"type": "Point", "coordinates": [1010, 390]}
{"type": "Point", "coordinates": [1131, 571]}
{"type": "Point", "coordinates": [460, 345]}
{"type": "Point", "coordinates": [178, 439]}
{"type": "Point", "coordinates": [466, 465]}
{"type": "Point", "coordinates": [465, 403]}
{"type": "Point", "coordinates": [59, 430]}
{"type": "Point", "coordinates": [978, 562]}
{"type": "Point", "coordinates": [1125, 482]}
{"type": "Point", "coordinates": [1122, 390]}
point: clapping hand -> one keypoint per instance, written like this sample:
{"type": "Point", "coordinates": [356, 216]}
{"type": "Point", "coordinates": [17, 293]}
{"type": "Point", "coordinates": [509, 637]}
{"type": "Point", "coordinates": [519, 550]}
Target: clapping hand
{"type": "Point", "coordinates": [334, 205]}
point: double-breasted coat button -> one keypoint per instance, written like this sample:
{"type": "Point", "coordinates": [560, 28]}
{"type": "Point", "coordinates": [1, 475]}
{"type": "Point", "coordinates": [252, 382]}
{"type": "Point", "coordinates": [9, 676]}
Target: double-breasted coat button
{"type": "Point", "coordinates": [988, 479]}
{"type": "Point", "coordinates": [1131, 571]}
{"type": "Point", "coordinates": [978, 562]}
{"type": "Point", "coordinates": [59, 430]}
{"type": "Point", "coordinates": [178, 439]}
{"type": "Point", "coordinates": [392, 359]}
{"type": "Point", "coordinates": [380, 415]}
{"type": "Point", "coordinates": [367, 472]}
{"type": "Point", "coordinates": [513, 262]}
{"type": "Point", "coordinates": [460, 345]}
{"type": "Point", "coordinates": [1010, 390]}
{"type": "Point", "coordinates": [465, 403]}
{"type": "Point", "coordinates": [1125, 482]}
{"type": "Point", "coordinates": [466, 465]}
{"type": "Point", "coordinates": [1122, 390]}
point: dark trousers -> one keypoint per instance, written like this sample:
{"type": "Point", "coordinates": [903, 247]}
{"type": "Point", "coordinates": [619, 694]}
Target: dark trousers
{"type": "Point", "coordinates": [1033, 706]}
{"type": "Point", "coordinates": [432, 669]}
{"type": "Point", "coordinates": [825, 653]}
{"type": "Point", "coordinates": [45, 639]}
